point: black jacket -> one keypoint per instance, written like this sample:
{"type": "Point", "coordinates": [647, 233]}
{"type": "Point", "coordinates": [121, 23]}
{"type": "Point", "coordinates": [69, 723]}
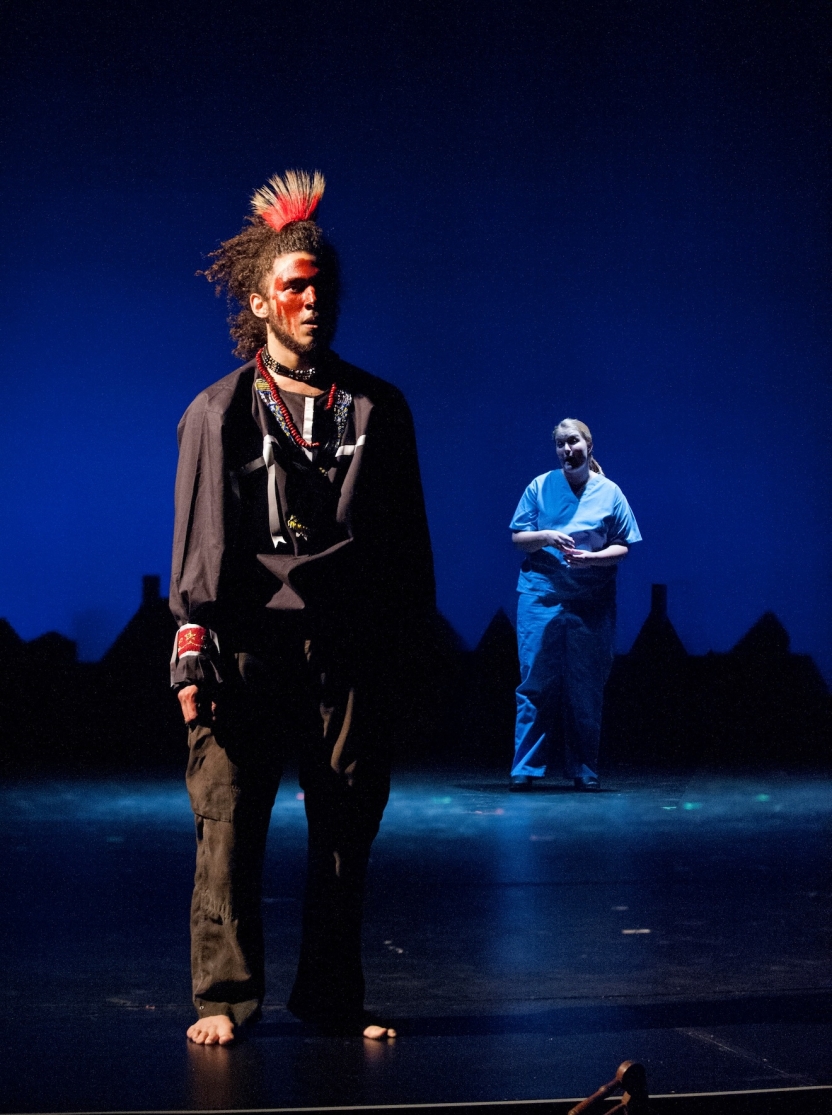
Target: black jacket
{"type": "Point", "coordinates": [371, 566]}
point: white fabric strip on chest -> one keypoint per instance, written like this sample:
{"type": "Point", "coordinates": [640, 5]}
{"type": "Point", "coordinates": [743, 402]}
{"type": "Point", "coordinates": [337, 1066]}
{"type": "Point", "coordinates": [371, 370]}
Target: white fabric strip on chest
{"type": "Point", "coordinates": [275, 530]}
{"type": "Point", "coordinates": [309, 424]}
{"type": "Point", "coordinates": [348, 450]}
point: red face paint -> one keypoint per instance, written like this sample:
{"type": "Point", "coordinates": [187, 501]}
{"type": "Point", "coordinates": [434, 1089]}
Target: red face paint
{"type": "Point", "coordinates": [294, 292]}
{"type": "Point", "coordinates": [300, 307]}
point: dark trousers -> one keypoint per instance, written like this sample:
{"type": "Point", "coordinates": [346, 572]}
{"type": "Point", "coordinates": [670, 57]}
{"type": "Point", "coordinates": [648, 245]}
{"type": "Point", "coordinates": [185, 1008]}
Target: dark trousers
{"type": "Point", "coordinates": [304, 688]}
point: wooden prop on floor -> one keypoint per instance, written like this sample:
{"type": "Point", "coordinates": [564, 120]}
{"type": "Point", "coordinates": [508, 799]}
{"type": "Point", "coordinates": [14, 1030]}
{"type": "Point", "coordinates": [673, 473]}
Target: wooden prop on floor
{"type": "Point", "coordinates": [633, 1079]}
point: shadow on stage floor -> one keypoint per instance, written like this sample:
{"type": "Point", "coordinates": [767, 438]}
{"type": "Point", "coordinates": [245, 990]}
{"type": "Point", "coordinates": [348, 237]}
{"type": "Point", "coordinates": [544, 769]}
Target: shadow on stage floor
{"type": "Point", "coordinates": [525, 944]}
{"type": "Point", "coordinates": [779, 1009]}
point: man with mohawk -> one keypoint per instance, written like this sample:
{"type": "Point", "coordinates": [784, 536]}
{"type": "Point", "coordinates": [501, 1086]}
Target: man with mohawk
{"type": "Point", "coordinates": [301, 563]}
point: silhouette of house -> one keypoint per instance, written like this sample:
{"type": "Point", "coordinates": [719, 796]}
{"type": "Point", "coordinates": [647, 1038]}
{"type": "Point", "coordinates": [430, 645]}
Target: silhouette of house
{"type": "Point", "coordinates": [133, 680]}
{"type": "Point", "coordinates": [463, 710]}
{"type": "Point", "coordinates": [42, 703]}
{"type": "Point", "coordinates": [57, 713]}
{"type": "Point", "coordinates": [756, 704]}
{"type": "Point", "coordinates": [428, 694]}
{"type": "Point", "coordinates": [12, 712]}
{"type": "Point", "coordinates": [657, 641]}
{"type": "Point", "coordinates": [494, 674]}
{"type": "Point", "coordinates": [650, 716]}
{"type": "Point", "coordinates": [764, 704]}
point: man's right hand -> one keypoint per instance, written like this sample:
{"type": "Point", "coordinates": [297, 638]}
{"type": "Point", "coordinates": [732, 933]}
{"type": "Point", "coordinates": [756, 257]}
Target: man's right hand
{"type": "Point", "coordinates": [188, 702]}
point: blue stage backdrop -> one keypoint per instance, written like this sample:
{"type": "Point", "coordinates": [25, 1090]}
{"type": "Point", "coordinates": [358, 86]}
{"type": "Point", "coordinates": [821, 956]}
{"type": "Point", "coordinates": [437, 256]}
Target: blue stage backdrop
{"type": "Point", "coordinates": [593, 208]}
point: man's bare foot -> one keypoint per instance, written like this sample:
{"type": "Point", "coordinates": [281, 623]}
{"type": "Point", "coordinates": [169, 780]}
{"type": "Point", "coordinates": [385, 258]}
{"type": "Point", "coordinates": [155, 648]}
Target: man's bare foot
{"type": "Point", "coordinates": [379, 1033]}
{"type": "Point", "coordinates": [216, 1029]}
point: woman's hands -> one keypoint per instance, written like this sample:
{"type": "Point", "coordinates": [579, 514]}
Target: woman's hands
{"type": "Point", "coordinates": [608, 556]}
{"type": "Point", "coordinates": [579, 557]}
{"type": "Point", "coordinates": [529, 541]}
{"type": "Point", "coordinates": [563, 542]}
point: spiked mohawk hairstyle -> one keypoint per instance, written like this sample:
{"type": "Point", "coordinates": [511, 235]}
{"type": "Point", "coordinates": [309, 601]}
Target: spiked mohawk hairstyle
{"type": "Point", "coordinates": [281, 221]}
{"type": "Point", "coordinates": [294, 197]}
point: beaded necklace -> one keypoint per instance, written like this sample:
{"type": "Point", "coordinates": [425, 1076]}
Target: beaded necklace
{"type": "Point", "coordinates": [288, 424]}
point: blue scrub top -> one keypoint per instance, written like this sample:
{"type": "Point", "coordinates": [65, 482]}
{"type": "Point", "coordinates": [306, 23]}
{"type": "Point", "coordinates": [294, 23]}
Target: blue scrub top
{"type": "Point", "coordinates": [598, 519]}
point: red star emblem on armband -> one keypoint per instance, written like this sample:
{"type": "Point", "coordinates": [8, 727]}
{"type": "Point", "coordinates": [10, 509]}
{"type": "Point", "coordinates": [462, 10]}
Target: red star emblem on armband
{"type": "Point", "coordinates": [191, 640]}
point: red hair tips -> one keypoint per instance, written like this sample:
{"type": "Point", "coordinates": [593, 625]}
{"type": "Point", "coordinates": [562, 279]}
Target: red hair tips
{"type": "Point", "coordinates": [294, 197]}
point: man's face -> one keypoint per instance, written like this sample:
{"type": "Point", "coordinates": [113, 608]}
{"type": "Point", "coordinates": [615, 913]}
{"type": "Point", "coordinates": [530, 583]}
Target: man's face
{"type": "Point", "coordinates": [298, 303]}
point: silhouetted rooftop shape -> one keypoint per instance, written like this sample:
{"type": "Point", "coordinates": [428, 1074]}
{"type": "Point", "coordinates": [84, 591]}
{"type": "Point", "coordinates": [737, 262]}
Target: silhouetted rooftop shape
{"type": "Point", "coordinates": [445, 636]}
{"type": "Point", "coordinates": [11, 643]}
{"type": "Point", "coordinates": [147, 638]}
{"type": "Point", "coordinates": [767, 638]}
{"type": "Point", "coordinates": [499, 633]}
{"type": "Point", "coordinates": [657, 638]}
{"type": "Point", "coordinates": [151, 588]}
{"type": "Point", "coordinates": [52, 649]}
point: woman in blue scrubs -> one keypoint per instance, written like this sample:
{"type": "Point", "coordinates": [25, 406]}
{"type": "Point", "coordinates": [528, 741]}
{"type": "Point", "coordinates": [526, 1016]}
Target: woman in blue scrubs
{"type": "Point", "coordinates": [574, 526]}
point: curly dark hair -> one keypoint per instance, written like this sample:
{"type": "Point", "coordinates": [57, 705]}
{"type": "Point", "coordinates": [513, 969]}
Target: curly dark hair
{"type": "Point", "coordinates": [240, 265]}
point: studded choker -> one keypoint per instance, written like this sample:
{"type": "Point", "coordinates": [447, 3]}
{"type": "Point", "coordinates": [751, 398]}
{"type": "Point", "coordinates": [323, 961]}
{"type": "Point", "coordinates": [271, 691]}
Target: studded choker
{"type": "Point", "coordinates": [303, 375]}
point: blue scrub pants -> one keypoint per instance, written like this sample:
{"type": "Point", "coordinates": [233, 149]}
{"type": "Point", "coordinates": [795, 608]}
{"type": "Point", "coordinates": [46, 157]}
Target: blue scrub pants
{"type": "Point", "coordinates": [566, 652]}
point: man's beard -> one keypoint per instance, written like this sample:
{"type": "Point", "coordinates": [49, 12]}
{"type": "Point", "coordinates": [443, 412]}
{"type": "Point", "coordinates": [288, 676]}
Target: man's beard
{"type": "Point", "coordinates": [317, 344]}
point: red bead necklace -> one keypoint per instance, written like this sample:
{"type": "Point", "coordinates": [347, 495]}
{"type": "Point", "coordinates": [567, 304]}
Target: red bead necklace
{"type": "Point", "coordinates": [294, 432]}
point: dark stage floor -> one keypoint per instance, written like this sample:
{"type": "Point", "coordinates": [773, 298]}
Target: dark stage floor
{"type": "Point", "coordinates": [525, 944]}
